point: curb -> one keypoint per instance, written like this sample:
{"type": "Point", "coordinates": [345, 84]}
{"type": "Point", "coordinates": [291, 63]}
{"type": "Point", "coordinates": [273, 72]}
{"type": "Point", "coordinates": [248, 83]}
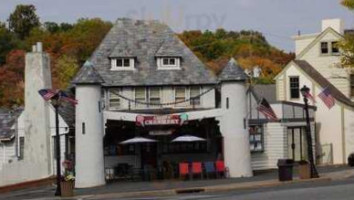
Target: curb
{"type": "Point", "coordinates": [218, 188]}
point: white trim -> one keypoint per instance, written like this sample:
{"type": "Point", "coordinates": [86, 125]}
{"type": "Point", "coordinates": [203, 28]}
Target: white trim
{"type": "Point", "coordinates": [114, 66]}
{"type": "Point", "coordinates": [161, 66]}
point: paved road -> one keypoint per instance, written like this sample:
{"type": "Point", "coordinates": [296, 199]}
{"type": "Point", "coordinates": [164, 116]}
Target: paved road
{"type": "Point", "coordinates": [335, 190]}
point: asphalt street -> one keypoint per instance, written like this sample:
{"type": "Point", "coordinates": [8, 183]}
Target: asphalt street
{"type": "Point", "coordinates": [332, 190]}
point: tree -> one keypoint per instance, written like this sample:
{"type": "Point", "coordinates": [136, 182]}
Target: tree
{"type": "Point", "coordinates": [7, 42]}
{"type": "Point", "coordinates": [66, 68]}
{"type": "Point", "coordinates": [11, 79]}
{"type": "Point", "coordinates": [23, 20]}
{"type": "Point", "coordinates": [348, 3]}
{"type": "Point", "coordinates": [347, 44]}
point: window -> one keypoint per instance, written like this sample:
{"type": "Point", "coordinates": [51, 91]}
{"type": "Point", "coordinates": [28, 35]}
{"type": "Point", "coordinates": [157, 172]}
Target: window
{"type": "Point", "coordinates": [21, 148]}
{"type": "Point", "coordinates": [114, 99]}
{"type": "Point", "coordinates": [122, 64]}
{"type": "Point", "coordinates": [294, 88]}
{"type": "Point", "coordinates": [140, 96]}
{"type": "Point", "coordinates": [335, 49]}
{"type": "Point", "coordinates": [352, 85]}
{"type": "Point", "coordinates": [180, 94]}
{"type": "Point", "coordinates": [154, 96]}
{"type": "Point", "coordinates": [324, 47]}
{"type": "Point", "coordinates": [194, 92]}
{"type": "Point", "coordinates": [256, 138]}
{"type": "Point", "coordinates": [168, 63]}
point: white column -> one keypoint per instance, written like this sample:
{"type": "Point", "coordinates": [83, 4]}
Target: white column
{"type": "Point", "coordinates": [89, 137]}
{"type": "Point", "coordinates": [232, 125]}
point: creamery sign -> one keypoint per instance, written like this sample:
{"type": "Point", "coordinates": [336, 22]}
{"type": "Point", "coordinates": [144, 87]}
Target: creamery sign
{"type": "Point", "coordinates": [161, 120]}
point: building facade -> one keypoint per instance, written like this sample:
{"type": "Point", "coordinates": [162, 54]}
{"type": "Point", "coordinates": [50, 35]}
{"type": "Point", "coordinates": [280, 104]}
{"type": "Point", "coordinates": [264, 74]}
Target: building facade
{"type": "Point", "coordinates": [317, 65]}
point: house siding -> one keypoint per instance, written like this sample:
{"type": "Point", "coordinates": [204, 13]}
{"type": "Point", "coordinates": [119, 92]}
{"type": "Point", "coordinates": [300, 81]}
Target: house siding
{"type": "Point", "coordinates": [329, 65]}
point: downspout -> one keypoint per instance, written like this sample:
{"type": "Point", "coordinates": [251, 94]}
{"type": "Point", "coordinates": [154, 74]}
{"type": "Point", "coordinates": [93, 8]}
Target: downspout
{"type": "Point", "coordinates": [343, 135]}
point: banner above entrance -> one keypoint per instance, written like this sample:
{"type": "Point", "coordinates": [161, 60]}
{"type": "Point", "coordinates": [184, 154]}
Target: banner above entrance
{"type": "Point", "coordinates": [161, 120]}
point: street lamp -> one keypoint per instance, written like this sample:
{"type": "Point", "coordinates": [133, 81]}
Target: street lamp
{"type": "Point", "coordinates": [305, 91]}
{"type": "Point", "coordinates": [56, 103]}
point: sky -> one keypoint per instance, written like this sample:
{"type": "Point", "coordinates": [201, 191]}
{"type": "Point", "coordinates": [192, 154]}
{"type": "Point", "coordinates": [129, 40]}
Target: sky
{"type": "Point", "coordinates": [278, 20]}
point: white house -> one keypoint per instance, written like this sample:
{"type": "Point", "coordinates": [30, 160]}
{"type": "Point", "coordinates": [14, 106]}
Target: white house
{"type": "Point", "coordinates": [27, 134]}
{"type": "Point", "coordinates": [317, 65]}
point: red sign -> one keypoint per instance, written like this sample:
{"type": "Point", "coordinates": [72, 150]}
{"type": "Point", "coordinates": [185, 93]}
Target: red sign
{"type": "Point", "coordinates": [159, 120]}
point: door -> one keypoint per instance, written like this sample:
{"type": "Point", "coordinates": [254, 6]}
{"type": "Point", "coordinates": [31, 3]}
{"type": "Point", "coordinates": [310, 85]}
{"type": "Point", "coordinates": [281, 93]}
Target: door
{"type": "Point", "coordinates": [297, 145]}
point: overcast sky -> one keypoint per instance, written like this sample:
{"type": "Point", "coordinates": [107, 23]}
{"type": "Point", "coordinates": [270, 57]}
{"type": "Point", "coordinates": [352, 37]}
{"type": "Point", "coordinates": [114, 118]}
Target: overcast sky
{"type": "Point", "coordinates": [278, 20]}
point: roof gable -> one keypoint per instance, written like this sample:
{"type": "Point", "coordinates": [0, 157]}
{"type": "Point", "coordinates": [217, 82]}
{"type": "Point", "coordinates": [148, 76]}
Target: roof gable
{"type": "Point", "coordinates": [312, 73]}
{"type": "Point", "coordinates": [317, 39]}
{"type": "Point", "coordinates": [146, 40]}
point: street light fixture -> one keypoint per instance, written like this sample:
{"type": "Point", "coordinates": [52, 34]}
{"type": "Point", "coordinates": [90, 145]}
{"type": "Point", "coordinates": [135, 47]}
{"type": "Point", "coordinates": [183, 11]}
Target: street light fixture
{"type": "Point", "coordinates": [305, 91]}
{"type": "Point", "coordinates": [56, 103]}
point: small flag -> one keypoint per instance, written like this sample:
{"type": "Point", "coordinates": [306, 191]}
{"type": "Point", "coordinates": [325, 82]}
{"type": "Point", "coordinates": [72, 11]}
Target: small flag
{"type": "Point", "coordinates": [47, 94]}
{"type": "Point", "coordinates": [309, 96]}
{"type": "Point", "coordinates": [327, 98]}
{"type": "Point", "coordinates": [66, 97]}
{"type": "Point", "coordinates": [265, 108]}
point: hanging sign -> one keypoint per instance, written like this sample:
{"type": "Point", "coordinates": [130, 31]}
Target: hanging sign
{"type": "Point", "coordinates": [160, 132]}
{"type": "Point", "coordinates": [161, 120]}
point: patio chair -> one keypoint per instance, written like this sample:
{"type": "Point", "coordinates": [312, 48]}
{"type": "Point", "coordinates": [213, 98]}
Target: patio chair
{"type": "Point", "coordinates": [183, 170]}
{"type": "Point", "coordinates": [209, 169]}
{"type": "Point", "coordinates": [220, 168]}
{"type": "Point", "coordinates": [197, 169]}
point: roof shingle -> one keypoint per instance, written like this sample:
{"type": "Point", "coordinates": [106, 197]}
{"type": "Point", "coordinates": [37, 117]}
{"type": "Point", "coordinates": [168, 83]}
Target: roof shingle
{"type": "Point", "coordinates": [232, 72]}
{"type": "Point", "coordinates": [146, 40]}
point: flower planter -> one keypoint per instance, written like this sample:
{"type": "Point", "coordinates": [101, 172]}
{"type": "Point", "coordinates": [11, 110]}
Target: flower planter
{"type": "Point", "coordinates": [304, 170]}
{"type": "Point", "coordinates": [67, 188]}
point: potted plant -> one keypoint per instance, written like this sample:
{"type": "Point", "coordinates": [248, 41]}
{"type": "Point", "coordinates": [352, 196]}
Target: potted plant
{"type": "Point", "coordinates": [304, 169]}
{"type": "Point", "coordinates": [67, 180]}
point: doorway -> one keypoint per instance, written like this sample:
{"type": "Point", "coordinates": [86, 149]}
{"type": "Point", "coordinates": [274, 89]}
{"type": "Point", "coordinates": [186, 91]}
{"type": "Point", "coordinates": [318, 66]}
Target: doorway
{"type": "Point", "coordinates": [297, 143]}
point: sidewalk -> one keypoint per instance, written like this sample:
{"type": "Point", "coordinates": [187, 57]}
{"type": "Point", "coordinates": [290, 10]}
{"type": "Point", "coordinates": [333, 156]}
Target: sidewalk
{"type": "Point", "coordinates": [173, 187]}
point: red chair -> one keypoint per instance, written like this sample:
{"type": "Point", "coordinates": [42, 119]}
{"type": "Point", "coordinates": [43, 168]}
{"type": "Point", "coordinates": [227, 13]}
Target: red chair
{"type": "Point", "coordinates": [220, 167]}
{"type": "Point", "coordinates": [183, 169]}
{"type": "Point", "coordinates": [197, 169]}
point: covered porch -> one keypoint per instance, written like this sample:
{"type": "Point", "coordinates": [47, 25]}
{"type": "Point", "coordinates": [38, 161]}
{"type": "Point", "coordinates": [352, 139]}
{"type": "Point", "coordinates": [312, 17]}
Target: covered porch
{"type": "Point", "coordinates": [159, 159]}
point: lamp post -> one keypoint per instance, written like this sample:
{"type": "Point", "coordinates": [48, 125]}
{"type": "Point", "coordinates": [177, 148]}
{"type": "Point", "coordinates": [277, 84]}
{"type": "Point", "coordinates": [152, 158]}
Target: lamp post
{"type": "Point", "coordinates": [304, 91]}
{"type": "Point", "coordinates": [56, 103]}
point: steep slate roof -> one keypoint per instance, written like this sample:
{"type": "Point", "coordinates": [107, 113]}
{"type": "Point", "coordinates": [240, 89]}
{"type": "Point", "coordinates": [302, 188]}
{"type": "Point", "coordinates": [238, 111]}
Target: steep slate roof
{"type": "Point", "coordinates": [323, 82]}
{"type": "Point", "coordinates": [87, 75]}
{"type": "Point", "coordinates": [147, 40]}
{"type": "Point", "coordinates": [266, 91]}
{"type": "Point", "coordinates": [7, 120]}
{"type": "Point", "coordinates": [170, 48]}
{"type": "Point", "coordinates": [232, 72]}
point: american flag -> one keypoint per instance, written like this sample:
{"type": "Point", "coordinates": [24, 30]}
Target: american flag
{"type": "Point", "coordinates": [309, 96]}
{"type": "Point", "coordinates": [265, 108]}
{"type": "Point", "coordinates": [327, 98]}
{"type": "Point", "coordinates": [66, 97]}
{"type": "Point", "coordinates": [47, 94]}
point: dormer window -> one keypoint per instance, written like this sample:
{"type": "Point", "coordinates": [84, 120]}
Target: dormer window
{"type": "Point", "coordinates": [168, 63]}
{"type": "Point", "coordinates": [121, 64]}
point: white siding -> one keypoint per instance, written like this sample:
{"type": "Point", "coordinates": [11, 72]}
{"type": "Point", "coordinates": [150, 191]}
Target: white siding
{"type": "Point", "coordinates": [167, 95]}
{"type": "Point", "coordinates": [327, 65]}
{"type": "Point", "coordinates": [275, 147]}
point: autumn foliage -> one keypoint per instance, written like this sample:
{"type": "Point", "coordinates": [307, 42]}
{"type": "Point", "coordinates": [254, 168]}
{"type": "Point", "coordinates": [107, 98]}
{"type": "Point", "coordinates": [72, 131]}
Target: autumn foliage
{"type": "Point", "coordinates": [69, 45]}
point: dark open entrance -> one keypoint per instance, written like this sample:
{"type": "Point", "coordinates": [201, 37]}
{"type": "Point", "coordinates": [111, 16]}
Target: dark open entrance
{"type": "Point", "coordinates": [163, 154]}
